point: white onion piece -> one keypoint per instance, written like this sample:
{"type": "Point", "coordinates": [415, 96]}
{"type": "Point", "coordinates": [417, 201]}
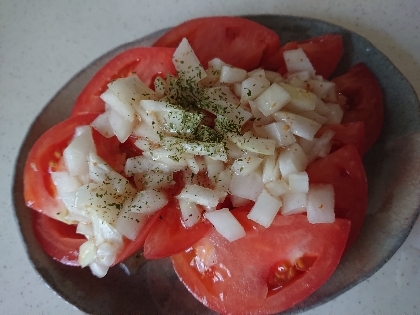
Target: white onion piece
{"type": "Point", "coordinates": [140, 164]}
{"type": "Point", "coordinates": [312, 115]}
{"type": "Point", "coordinates": [87, 253]}
{"type": "Point", "coordinates": [321, 88]}
{"type": "Point", "coordinates": [153, 180]}
{"type": "Point", "coordinates": [271, 171]}
{"type": "Point", "coordinates": [321, 108]}
{"type": "Point", "coordinates": [124, 109]}
{"type": "Point", "coordinates": [299, 125]}
{"type": "Point", "coordinates": [131, 90]}
{"type": "Point", "coordinates": [299, 182]}
{"type": "Point", "coordinates": [302, 99]}
{"type": "Point", "coordinates": [105, 232]}
{"type": "Point", "coordinates": [321, 144]}
{"type": "Point", "coordinates": [226, 224]}
{"type": "Point", "coordinates": [294, 203]}
{"type": "Point", "coordinates": [98, 269]}
{"type": "Point", "coordinates": [102, 125]}
{"type": "Point", "coordinates": [246, 164]}
{"type": "Point", "coordinates": [280, 132]}
{"type": "Point", "coordinates": [303, 75]}
{"type": "Point", "coordinates": [233, 151]}
{"type": "Point", "coordinates": [296, 60]}
{"type": "Point", "coordinates": [296, 82]}
{"type": "Point", "coordinates": [247, 186]}
{"type": "Point", "coordinates": [292, 160]}
{"type": "Point", "coordinates": [239, 201]}
{"type": "Point", "coordinates": [76, 154]}
{"type": "Point", "coordinates": [265, 209]}
{"type": "Point", "coordinates": [320, 208]}
{"type": "Point", "coordinates": [160, 86]}
{"type": "Point", "coordinates": [187, 63]}
{"type": "Point", "coordinates": [148, 201]}
{"type": "Point", "coordinates": [121, 127]}
{"type": "Point", "coordinates": [335, 114]}
{"type": "Point", "coordinates": [130, 223]}
{"type": "Point", "coordinates": [190, 213]}
{"type": "Point", "coordinates": [253, 87]}
{"type": "Point", "coordinates": [213, 168]}
{"type": "Point", "coordinates": [260, 118]}
{"type": "Point", "coordinates": [254, 144]}
{"type": "Point", "coordinates": [273, 77]}
{"type": "Point", "coordinates": [224, 178]}
{"type": "Point", "coordinates": [201, 195]}
{"type": "Point", "coordinates": [272, 99]}
{"type": "Point", "coordinates": [277, 188]}
{"type": "Point", "coordinates": [229, 74]}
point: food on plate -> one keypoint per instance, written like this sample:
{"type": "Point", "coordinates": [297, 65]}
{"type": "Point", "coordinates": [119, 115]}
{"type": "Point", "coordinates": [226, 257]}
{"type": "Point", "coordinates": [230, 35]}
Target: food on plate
{"type": "Point", "coordinates": [184, 153]}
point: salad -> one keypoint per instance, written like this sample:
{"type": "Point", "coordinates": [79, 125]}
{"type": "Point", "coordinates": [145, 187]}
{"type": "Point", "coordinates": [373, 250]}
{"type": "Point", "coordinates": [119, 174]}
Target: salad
{"type": "Point", "coordinates": [221, 149]}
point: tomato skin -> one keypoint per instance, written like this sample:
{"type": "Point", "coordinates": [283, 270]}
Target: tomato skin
{"type": "Point", "coordinates": [244, 288]}
{"type": "Point", "coordinates": [364, 100]}
{"type": "Point", "coordinates": [39, 190]}
{"type": "Point", "coordinates": [324, 52]}
{"type": "Point", "coordinates": [348, 133]}
{"type": "Point", "coordinates": [146, 62]}
{"type": "Point", "coordinates": [237, 41]}
{"type": "Point", "coordinates": [59, 240]}
{"type": "Point", "coordinates": [344, 170]}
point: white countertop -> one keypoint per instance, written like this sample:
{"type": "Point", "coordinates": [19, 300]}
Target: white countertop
{"type": "Point", "coordinates": [44, 43]}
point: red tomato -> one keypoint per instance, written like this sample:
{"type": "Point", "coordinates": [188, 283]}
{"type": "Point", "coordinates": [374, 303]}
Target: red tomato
{"type": "Point", "coordinates": [146, 62]}
{"type": "Point", "coordinates": [349, 133]}
{"type": "Point", "coordinates": [237, 41]}
{"type": "Point", "coordinates": [364, 100]}
{"type": "Point", "coordinates": [59, 240]}
{"type": "Point", "coordinates": [344, 170]}
{"type": "Point", "coordinates": [324, 52]}
{"type": "Point", "coordinates": [266, 271]}
{"type": "Point", "coordinates": [44, 157]}
{"type": "Point", "coordinates": [168, 236]}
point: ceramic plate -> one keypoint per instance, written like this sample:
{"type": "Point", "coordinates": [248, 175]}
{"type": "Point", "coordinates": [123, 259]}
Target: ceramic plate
{"type": "Point", "coordinates": [392, 169]}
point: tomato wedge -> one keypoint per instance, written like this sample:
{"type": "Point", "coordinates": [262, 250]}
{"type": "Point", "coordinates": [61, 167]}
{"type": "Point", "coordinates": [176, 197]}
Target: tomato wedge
{"type": "Point", "coordinates": [324, 52]}
{"type": "Point", "coordinates": [146, 62]}
{"type": "Point", "coordinates": [364, 100]}
{"type": "Point", "coordinates": [237, 41]}
{"type": "Point", "coordinates": [246, 275]}
{"type": "Point", "coordinates": [44, 157]}
{"type": "Point", "coordinates": [349, 133]}
{"type": "Point", "coordinates": [59, 240]}
{"type": "Point", "coordinates": [344, 170]}
{"type": "Point", "coordinates": [168, 236]}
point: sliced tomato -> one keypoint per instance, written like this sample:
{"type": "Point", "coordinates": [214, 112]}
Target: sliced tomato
{"type": "Point", "coordinates": [237, 41]}
{"type": "Point", "coordinates": [364, 100]}
{"type": "Point", "coordinates": [344, 170]}
{"type": "Point", "coordinates": [44, 157]}
{"type": "Point", "coordinates": [168, 235]}
{"type": "Point", "coordinates": [59, 240]}
{"type": "Point", "coordinates": [266, 271]}
{"type": "Point", "coordinates": [349, 133]}
{"type": "Point", "coordinates": [324, 52]}
{"type": "Point", "coordinates": [146, 62]}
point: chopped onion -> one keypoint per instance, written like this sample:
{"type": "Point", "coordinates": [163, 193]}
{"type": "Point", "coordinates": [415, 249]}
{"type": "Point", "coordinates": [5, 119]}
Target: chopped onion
{"type": "Point", "coordinates": [265, 209]}
{"type": "Point", "coordinates": [226, 224]}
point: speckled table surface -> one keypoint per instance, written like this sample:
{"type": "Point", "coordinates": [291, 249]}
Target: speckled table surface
{"type": "Point", "coordinates": [44, 43]}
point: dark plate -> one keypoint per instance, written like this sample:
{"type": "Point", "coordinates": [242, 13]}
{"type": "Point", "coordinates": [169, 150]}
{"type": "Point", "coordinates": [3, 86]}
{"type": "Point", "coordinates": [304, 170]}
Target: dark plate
{"type": "Point", "coordinates": [394, 192]}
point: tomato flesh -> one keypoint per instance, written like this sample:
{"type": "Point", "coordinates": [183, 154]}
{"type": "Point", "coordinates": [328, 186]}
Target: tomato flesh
{"type": "Point", "coordinates": [237, 41]}
{"type": "Point", "coordinates": [324, 52]}
{"type": "Point", "coordinates": [145, 62]}
{"type": "Point", "coordinates": [344, 170]}
{"type": "Point", "coordinates": [240, 280]}
{"type": "Point", "coordinates": [364, 101]}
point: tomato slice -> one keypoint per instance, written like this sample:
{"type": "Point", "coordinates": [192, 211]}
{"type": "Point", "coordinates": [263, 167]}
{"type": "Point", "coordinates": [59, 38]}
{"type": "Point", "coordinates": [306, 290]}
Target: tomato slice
{"type": "Point", "coordinates": [349, 133]}
{"type": "Point", "coordinates": [344, 170]}
{"type": "Point", "coordinates": [59, 240]}
{"type": "Point", "coordinates": [44, 157]}
{"type": "Point", "coordinates": [168, 236]}
{"type": "Point", "coordinates": [324, 52]}
{"type": "Point", "coordinates": [146, 62]}
{"type": "Point", "coordinates": [237, 41]}
{"type": "Point", "coordinates": [364, 100]}
{"type": "Point", "coordinates": [246, 275]}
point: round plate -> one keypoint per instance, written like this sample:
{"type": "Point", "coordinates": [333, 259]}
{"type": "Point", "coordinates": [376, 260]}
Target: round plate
{"type": "Point", "coordinates": [392, 169]}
